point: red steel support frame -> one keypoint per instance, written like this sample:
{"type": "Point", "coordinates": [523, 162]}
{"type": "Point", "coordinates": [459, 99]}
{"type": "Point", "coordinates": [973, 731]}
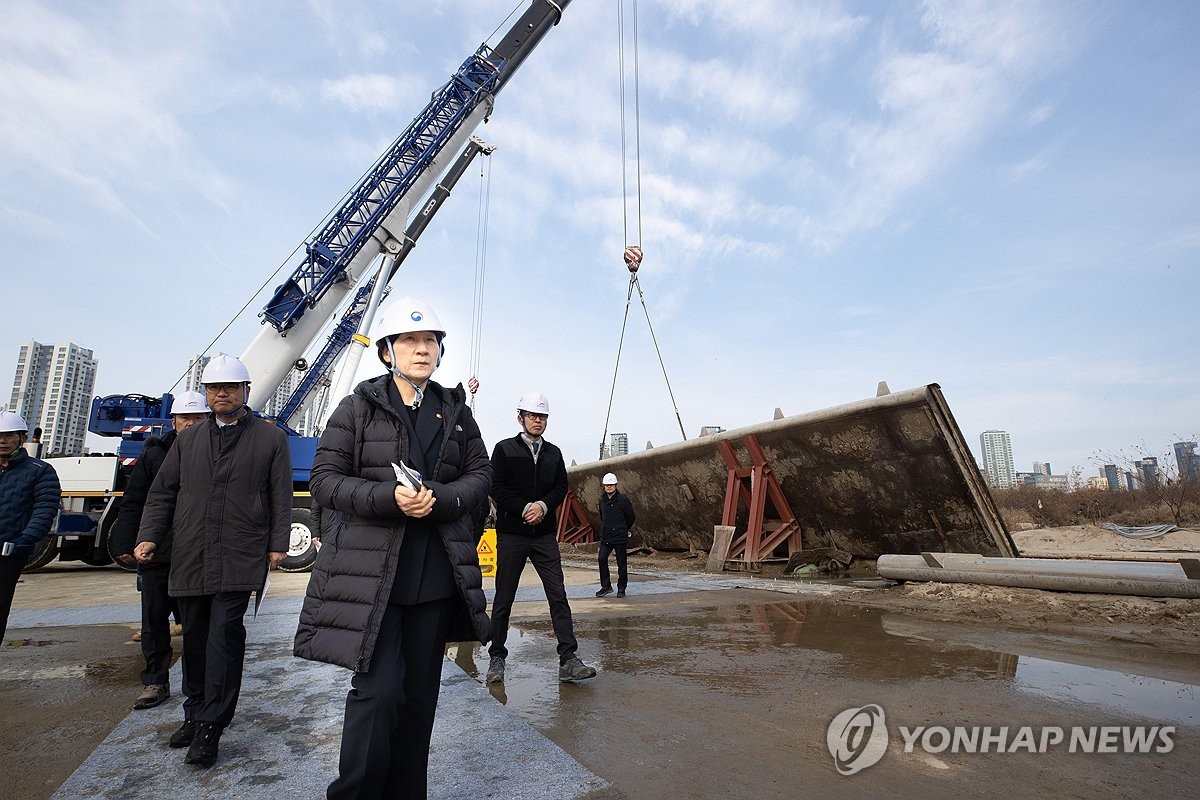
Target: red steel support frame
{"type": "Point", "coordinates": [573, 524]}
{"type": "Point", "coordinates": [754, 486]}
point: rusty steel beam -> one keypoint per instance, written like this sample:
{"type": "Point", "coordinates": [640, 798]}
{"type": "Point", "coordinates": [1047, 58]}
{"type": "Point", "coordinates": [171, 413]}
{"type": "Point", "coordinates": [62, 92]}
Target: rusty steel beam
{"type": "Point", "coordinates": [890, 474]}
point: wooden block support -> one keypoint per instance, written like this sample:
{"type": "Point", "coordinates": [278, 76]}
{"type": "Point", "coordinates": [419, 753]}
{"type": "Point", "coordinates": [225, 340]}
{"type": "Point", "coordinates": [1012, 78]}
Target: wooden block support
{"type": "Point", "coordinates": [722, 538]}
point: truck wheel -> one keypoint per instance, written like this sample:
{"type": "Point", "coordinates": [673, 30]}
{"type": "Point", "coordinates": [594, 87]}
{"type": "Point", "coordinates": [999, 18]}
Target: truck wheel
{"type": "Point", "coordinates": [302, 553]}
{"type": "Point", "coordinates": [43, 553]}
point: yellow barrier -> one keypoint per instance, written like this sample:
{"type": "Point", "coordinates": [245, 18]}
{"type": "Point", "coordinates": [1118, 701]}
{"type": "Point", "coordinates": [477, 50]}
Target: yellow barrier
{"type": "Point", "coordinates": [487, 553]}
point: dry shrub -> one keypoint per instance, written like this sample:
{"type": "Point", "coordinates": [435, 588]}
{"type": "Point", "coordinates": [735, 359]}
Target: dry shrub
{"type": "Point", "coordinates": [1050, 508]}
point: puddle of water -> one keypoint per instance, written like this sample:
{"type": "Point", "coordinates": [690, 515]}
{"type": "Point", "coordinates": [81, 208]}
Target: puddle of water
{"type": "Point", "coordinates": [741, 651]}
{"type": "Point", "coordinates": [1136, 695]}
{"type": "Point", "coordinates": [692, 686]}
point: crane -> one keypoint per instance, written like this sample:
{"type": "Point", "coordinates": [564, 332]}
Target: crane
{"type": "Point", "coordinates": [373, 221]}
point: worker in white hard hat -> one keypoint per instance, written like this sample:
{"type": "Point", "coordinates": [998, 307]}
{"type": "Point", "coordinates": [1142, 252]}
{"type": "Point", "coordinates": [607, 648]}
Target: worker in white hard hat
{"type": "Point", "coordinates": [616, 521]}
{"type": "Point", "coordinates": [403, 465]}
{"type": "Point", "coordinates": [29, 501]}
{"type": "Point", "coordinates": [529, 483]}
{"type": "Point", "coordinates": [223, 497]}
{"type": "Point", "coordinates": [187, 409]}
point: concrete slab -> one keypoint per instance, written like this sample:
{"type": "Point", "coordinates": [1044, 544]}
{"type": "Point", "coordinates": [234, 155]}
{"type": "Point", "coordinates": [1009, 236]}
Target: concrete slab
{"type": "Point", "coordinates": [284, 741]}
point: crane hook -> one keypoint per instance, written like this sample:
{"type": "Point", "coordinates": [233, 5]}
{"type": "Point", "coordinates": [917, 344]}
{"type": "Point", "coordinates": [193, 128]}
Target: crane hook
{"type": "Point", "coordinates": [633, 257]}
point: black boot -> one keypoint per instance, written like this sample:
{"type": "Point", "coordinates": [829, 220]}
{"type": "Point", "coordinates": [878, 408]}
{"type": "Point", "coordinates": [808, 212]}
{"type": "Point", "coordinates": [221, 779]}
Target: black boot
{"type": "Point", "coordinates": [183, 737]}
{"type": "Point", "coordinates": [203, 751]}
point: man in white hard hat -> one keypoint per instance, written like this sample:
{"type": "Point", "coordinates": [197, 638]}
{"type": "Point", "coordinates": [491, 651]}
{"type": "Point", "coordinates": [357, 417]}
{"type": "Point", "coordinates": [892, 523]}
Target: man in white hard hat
{"type": "Point", "coordinates": [29, 500]}
{"type": "Point", "coordinates": [529, 482]}
{"type": "Point", "coordinates": [616, 518]}
{"type": "Point", "coordinates": [188, 409]}
{"type": "Point", "coordinates": [224, 496]}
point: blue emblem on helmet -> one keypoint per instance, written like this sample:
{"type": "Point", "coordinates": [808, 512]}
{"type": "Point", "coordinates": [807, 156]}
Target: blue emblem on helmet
{"type": "Point", "coordinates": [416, 316]}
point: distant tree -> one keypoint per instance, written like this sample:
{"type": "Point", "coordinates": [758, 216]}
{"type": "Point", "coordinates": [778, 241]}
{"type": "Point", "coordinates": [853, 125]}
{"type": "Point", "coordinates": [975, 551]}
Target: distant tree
{"type": "Point", "coordinates": [1075, 480]}
{"type": "Point", "coordinates": [1178, 493]}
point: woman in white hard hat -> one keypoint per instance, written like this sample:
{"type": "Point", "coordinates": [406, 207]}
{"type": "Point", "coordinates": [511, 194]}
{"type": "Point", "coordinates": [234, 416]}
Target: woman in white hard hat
{"type": "Point", "coordinates": [399, 577]}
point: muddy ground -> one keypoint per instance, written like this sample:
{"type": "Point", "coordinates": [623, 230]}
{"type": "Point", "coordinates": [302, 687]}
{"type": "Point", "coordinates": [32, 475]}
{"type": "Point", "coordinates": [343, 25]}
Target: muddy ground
{"type": "Point", "coordinates": [722, 693]}
{"type": "Point", "coordinates": [1170, 624]}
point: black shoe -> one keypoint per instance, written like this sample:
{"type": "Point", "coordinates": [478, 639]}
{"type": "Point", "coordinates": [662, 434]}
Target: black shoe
{"type": "Point", "coordinates": [203, 752]}
{"type": "Point", "coordinates": [183, 737]}
{"type": "Point", "coordinates": [620, 592]}
{"type": "Point", "coordinates": [603, 591]}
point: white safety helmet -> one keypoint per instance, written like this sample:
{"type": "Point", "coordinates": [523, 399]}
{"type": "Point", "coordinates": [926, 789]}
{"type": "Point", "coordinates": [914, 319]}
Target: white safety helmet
{"type": "Point", "coordinates": [535, 402]}
{"type": "Point", "coordinates": [609, 479]}
{"type": "Point", "coordinates": [408, 315]}
{"type": "Point", "coordinates": [12, 423]}
{"type": "Point", "coordinates": [190, 403]}
{"type": "Point", "coordinates": [223, 368]}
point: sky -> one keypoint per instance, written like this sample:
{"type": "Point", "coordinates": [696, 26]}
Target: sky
{"type": "Point", "coordinates": [998, 197]}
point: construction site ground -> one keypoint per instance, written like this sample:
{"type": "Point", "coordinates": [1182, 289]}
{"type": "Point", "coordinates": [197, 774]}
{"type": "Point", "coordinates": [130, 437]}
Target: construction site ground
{"type": "Point", "coordinates": [719, 686]}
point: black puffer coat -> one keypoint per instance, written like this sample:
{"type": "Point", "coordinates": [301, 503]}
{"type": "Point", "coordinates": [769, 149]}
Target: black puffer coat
{"type": "Point", "coordinates": [352, 474]}
{"type": "Point", "coordinates": [29, 501]}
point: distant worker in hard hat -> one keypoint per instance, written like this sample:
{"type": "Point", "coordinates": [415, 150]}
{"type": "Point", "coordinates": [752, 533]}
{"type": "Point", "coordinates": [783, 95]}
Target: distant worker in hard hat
{"type": "Point", "coordinates": [223, 496]}
{"type": "Point", "coordinates": [616, 520]}
{"type": "Point", "coordinates": [529, 483]}
{"type": "Point", "coordinates": [30, 498]}
{"type": "Point", "coordinates": [188, 409]}
{"type": "Point", "coordinates": [400, 576]}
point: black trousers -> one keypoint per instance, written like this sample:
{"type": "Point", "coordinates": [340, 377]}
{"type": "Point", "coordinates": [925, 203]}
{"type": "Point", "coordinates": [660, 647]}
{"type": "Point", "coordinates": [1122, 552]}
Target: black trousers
{"type": "Point", "coordinates": [214, 649]}
{"type": "Point", "coordinates": [622, 565]}
{"type": "Point", "coordinates": [390, 708]}
{"type": "Point", "coordinates": [157, 606]}
{"type": "Point", "coordinates": [512, 551]}
{"type": "Point", "coordinates": [10, 573]}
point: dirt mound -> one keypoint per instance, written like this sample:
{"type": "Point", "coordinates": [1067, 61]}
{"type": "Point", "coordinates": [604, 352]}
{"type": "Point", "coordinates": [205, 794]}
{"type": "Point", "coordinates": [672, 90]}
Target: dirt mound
{"type": "Point", "coordinates": [1085, 540]}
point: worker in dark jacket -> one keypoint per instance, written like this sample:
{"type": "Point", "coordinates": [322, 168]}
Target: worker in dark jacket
{"type": "Point", "coordinates": [616, 518]}
{"type": "Point", "coordinates": [224, 496]}
{"type": "Point", "coordinates": [29, 501]}
{"type": "Point", "coordinates": [529, 483]}
{"type": "Point", "coordinates": [188, 409]}
{"type": "Point", "coordinates": [399, 577]}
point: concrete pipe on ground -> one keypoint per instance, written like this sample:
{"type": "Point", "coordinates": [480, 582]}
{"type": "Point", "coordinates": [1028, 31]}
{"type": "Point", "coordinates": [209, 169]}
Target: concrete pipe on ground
{"type": "Point", "coordinates": [1104, 577]}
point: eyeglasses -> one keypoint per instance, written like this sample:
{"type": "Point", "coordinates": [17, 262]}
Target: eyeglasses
{"type": "Point", "coordinates": [539, 417]}
{"type": "Point", "coordinates": [217, 388]}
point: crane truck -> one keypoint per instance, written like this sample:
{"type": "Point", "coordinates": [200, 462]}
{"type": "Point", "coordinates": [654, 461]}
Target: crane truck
{"type": "Point", "coordinates": [339, 281]}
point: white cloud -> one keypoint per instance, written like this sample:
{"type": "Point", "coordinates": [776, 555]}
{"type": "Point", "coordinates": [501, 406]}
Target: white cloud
{"type": "Point", "coordinates": [1029, 167]}
{"type": "Point", "coordinates": [371, 93]}
{"type": "Point", "coordinates": [1040, 114]}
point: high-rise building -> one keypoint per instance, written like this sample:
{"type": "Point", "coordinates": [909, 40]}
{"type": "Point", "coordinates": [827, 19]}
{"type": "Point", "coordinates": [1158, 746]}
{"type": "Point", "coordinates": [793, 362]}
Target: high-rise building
{"type": "Point", "coordinates": [998, 458]}
{"type": "Point", "coordinates": [195, 370]}
{"type": "Point", "coordinates": [1145, 472]}
{"type": "Point", "coordinates": [302, 424]}
{"type": "Point", "coordinates": [1042, 467]}
{"type": "Point", "coordinates": [711, 430]}
{"type": "Point", "coordinates": [1113, 477]}
{"type": "Point", "coordinates": [618, 444]}
{"type": "Point", "coordinates": [1187, 461]}
{"type": "Point", "coordinates": [52, 390]}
